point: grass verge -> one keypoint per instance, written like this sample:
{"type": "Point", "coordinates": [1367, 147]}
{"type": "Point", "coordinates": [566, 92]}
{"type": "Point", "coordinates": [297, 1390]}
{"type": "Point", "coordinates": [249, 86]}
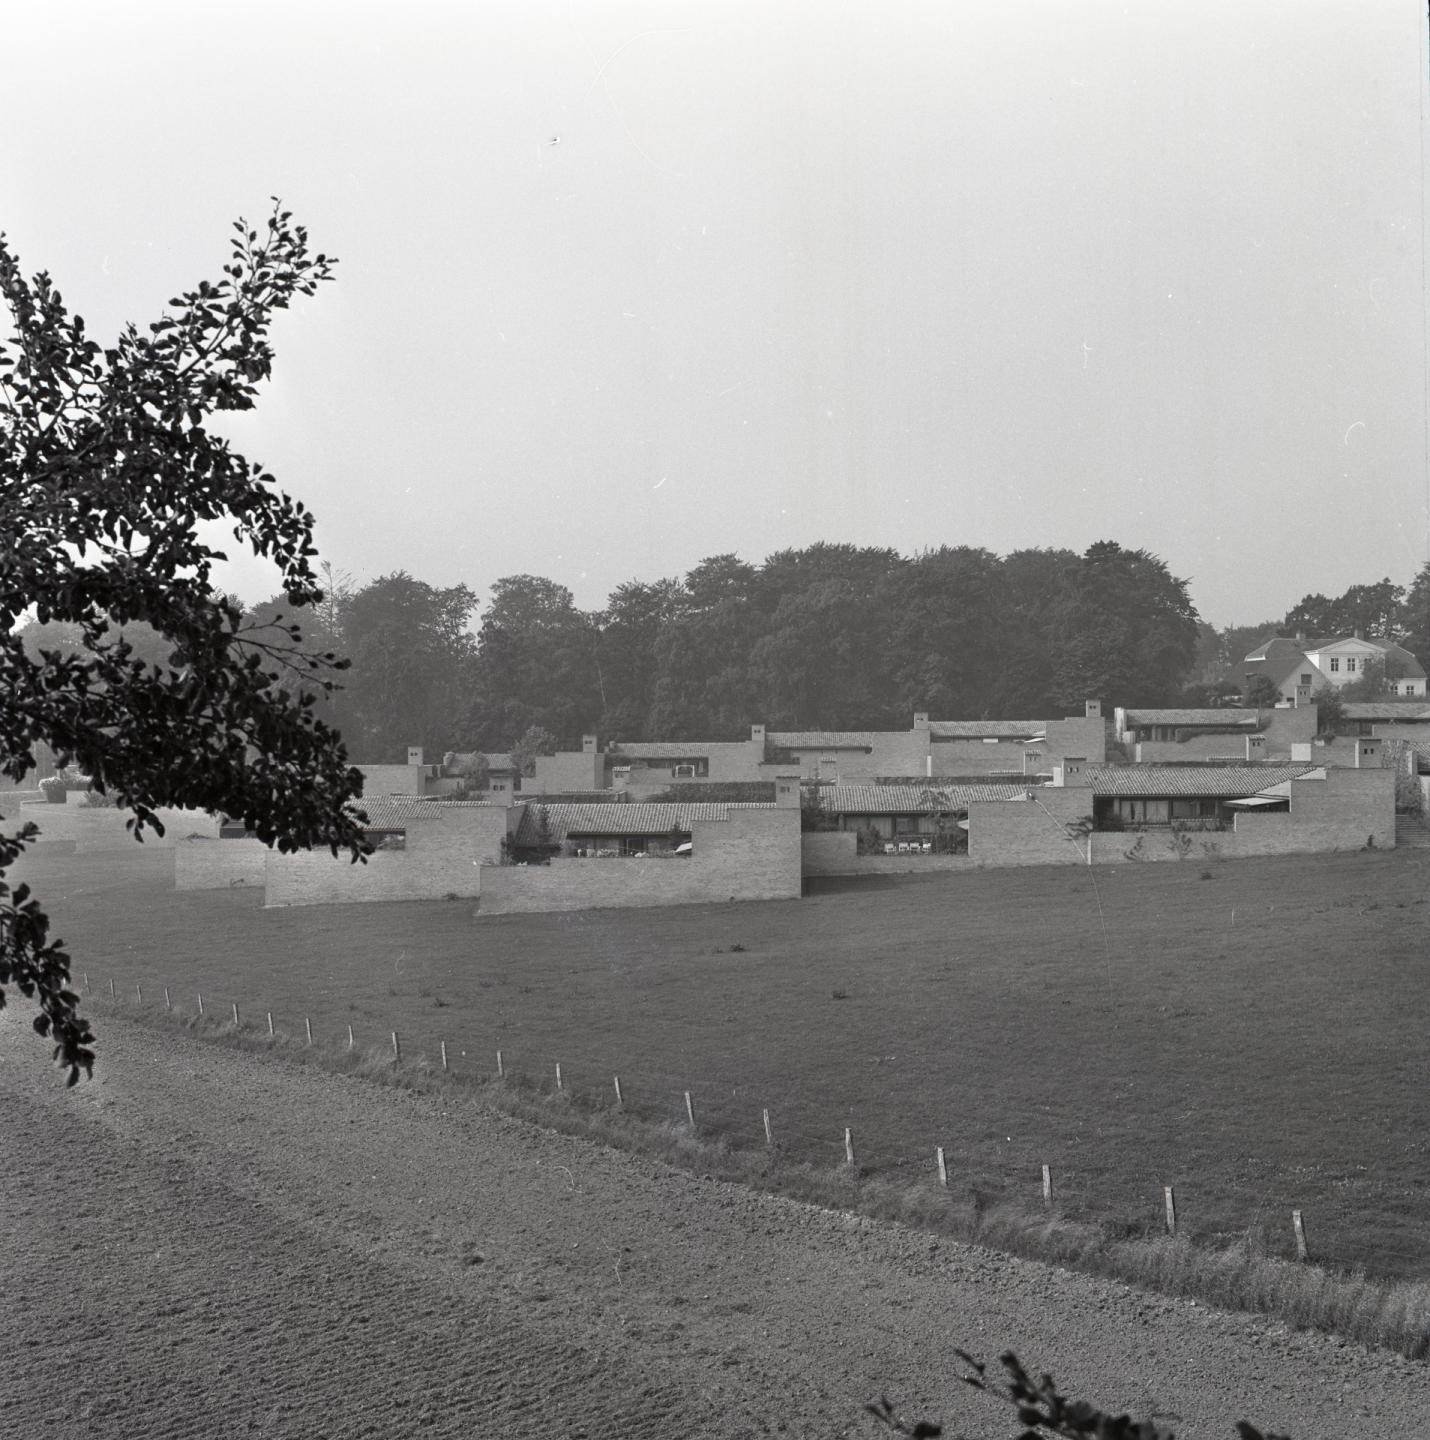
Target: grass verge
{"type": "Point", "coordinates": [1390, 1314]}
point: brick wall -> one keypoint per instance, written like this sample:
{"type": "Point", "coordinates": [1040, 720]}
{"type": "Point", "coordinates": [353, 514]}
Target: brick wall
{"type": "Point", "coordinates": [752, 855]}
{"type": "Point", "coordinates": [1024, 832]}
{"type": "Point", "coordinates": [393, 779]}
{"type": "Point", "coordinates": [836, 853]}
{"type": "Point", "coordinates": [211, 864]}
{"type": "Point", "coordinates": [444, 855]}
{"type": "Point", "coordinates": [93, 830]}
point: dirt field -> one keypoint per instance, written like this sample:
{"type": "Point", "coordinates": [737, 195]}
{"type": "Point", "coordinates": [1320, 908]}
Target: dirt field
{"type": "Point", "coordinates": [205, 1242]}
{"type": "Point", "coordinates": [1258, 1039]}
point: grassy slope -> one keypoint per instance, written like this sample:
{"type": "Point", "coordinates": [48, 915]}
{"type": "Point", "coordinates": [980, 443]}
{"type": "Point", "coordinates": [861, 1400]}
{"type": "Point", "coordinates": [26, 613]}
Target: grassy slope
{"type": "Point", "coordinates": [1258, 1039]}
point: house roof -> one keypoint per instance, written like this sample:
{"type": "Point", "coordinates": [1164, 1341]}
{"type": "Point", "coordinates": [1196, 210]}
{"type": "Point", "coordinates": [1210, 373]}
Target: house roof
{"type": "Point", "coordinates": [1411, 668]}
{"type": "Point", "coordinates": [825, 739]}
{"type": "Point", "coordinates": [916, 799]}
{"type": "Point", "coordinates": [630, 819]}
{"type": "Point", "coordinates": [980, 729]}
{"type": "Point", "coordinates": [396, 812]}
{"type": "Point", "coordinates": [1247, 719]}
{"type": "Point", "coordinates": [1403, 711]}
{"type": "Point", "coordinates": [1211, 782]}
{"type": "Point", "coordinates": [670, 749]}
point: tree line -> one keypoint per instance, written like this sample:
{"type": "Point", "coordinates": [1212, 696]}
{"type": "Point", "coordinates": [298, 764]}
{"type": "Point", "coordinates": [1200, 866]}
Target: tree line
{"type": "Point", "coordinates": [837, 637]}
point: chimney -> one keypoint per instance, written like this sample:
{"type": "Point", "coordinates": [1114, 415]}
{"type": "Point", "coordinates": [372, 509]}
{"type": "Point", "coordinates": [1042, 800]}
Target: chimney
{"type": "Point", "coordinates": [1368, 752]}
{"type": "Point", "coordinates": [787, 792]}
{"type": "Point", "coordinates": [1256, 747]}
{"type": "Point", "coordinates": [414, 755]}
{"type": "Point", "coordinates": [921, 719]}
{"type": "Point", "coordinates": [1093, 709]}
{"type": "Point", "coordinates": [588, 744]}
{"type": "Point", "coordinates": [1072, 773]}
{"type": "Point", "coordinates": [757, 734]}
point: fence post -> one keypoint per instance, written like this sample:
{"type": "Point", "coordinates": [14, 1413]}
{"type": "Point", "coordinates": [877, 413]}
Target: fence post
{"type": "Point", "coordinates": [350, 1037]}
{"type": "Point", "coordinates": [111, 987]}
{"type": "Point", "coordinates": [1301, 1252]}
{"type": "Point", "coordinates": [308, 1028]}
{"type": "Point", "coordinates": [848, 1147]}
{"type": "Point", "coordinates": [270, 1024]}
{"type": "Point", "coordinates": [1170, 1202]}
{"type": "Point", "coordinates": [201, 1002]}
{"type": "Point", "coordinates": [167, 1003]}
{"type": "Point", "coordinates": [86, 982]}
{"type": "Point", "coordinates": [689, 1110]}
{"type": "Point", "coordinates": [444, 1054]}
{"type": "Point", "coordinates": [559, 1085]}
{"type": "Point", "coordinates": [235, 1014]}
{"type": "Point", "coordinates": [769, 1133]}
{"type": "Point", "coordinates": [138, 994]}
{"type": "Point", "coordinates": [620, 1099]}
{"type": "Point", "coordinates": [501, 1072]}
{"type": "Point", "coordinates": [396, 1050]}
{"type": "Point", "coordinates": [942, 1168]}
{"type": "Point", "coordinates": [1047, 1186]}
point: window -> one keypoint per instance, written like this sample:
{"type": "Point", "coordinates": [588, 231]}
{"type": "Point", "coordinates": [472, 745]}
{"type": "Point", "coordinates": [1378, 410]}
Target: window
{"type": "Point", "coordinates": [1305, 679]}
{"type": "Point", "coordinates": [1350, 664]}
{"type": "Point", "coordinates": [1335, 664]}
{"type": "Point", "coordinates": [684, 772]}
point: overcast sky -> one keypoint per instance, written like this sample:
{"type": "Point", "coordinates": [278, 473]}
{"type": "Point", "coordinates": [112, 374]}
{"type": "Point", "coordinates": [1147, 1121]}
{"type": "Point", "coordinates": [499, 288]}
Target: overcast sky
{"type": "Point", "coordinates": [624, 285]}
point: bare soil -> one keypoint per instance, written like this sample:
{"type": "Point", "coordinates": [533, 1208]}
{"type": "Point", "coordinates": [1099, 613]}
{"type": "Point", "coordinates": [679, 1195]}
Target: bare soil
{"type": "Point", "coordinates": [203, 1242]}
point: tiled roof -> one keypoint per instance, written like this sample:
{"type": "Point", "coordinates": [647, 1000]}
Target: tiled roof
{"type": "Point", "coordinates": [1222, 782]}
{"type": "Point", "coordinates": [978, 729]}
{"type": "Point", "coordinates": [670, 749]}
{"type": "Point", "coordinates": [916, 799]}
{"type": "Point", "coordinates": [1405, 711]}
{"type": "Point", "coordinates": [826, 739]}
{"type": "Point", "coordinates": [1137, 719]}
{"type": "Point", "coordinates": [396, 812]}
{"type": "Point", "coordinates": [563, 820]}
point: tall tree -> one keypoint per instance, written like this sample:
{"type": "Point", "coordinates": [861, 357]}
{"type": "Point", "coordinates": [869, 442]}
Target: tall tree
{"type": "Point", "coordinates": [627, 668]}
{"type": "Point", "coordinates": [410, 651]}
{"type": "Point", "coordinates": [1131, 630]}
{"type": "Point", "coordinates": [106, 466]}
{"type": "Point", "coordinates": [536, 664]}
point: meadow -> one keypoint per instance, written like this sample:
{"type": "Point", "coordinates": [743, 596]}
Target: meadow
{"type": "Point", "coordinates": [1255, 1035]}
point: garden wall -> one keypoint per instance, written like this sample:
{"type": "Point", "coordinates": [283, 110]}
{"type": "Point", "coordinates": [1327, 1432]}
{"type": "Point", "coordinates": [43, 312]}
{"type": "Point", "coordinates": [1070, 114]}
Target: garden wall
{"type": "Point", "coordinates": [836, 853]}
{"type": "Point", "coordinates": [206, 863]}
{"type": "Point", "coordinates": [97, 830]}
{"type": "Point", "coordinates": [751, 855]}
{"type": "Point", "coordinates": [443, 855]}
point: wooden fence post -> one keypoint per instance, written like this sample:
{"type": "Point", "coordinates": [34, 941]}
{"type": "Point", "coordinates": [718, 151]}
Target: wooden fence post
{"type": "Point", "coordinates": [1047, 1186]}
{"type": "Point", "coordinates": [848, 1147]}
{"type": "Point", "coordinates": [235, 1014]}
{"type": "Point", "coordinates": [396, 1050]}
{"type": "Point", "coordinates": [111, 987]}
{"type": "Point", "coordinates": [138, 994]}
{"type": "Point", "coordinates": [350, 1037]}
{"type": "Point", "coordinates": [501, 1072]}
{"type": "Point", "coordinates": [1169, 1201]}
{"type": "Point", "coordinates": [559, 1085]}
{"type": "Point", "coordinates": [167, 1003]}
{"type": "Point", "coordinates": [942, 1167]}
{"type": "Point", "coordinates": [86, 982]}
{"type": "Point", "coordinates": [308, 1029]}
{"type": "Point", "coordinates": [444, 1054]}
{"type": "Point", "coordinates": [201, 1002]}
{"type": "Point", "coordinates": [689, 1110]}
{"type": "Point", "coordinates": [769, 1133]}
{"type": "Point", "coordinates": [270, 1025]}
{"type": "Point", "coordinates": [1301, 1252]}
{"type": "Point", "coordinates": [620, 1099]}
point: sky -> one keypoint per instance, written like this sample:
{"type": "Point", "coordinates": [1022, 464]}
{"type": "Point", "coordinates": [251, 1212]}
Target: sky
{"type": "Point", "coordinates": [623, 285]}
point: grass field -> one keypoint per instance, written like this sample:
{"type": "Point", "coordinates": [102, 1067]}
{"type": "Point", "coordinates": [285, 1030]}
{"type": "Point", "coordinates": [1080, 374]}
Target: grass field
{"type": "Point", "coordinates": [1256, 1035]}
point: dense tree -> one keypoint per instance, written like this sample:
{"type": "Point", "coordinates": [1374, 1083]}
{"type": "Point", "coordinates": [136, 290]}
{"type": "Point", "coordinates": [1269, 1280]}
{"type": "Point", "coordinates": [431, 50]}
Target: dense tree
{"type": "Point", "coordinates": [1413, 622]}
{"type": "Point", "coordinates": [626, 666]}
{"type": "Point", "coordinates": [409, 646]}
{"type": "Point", "coordinates": [1130, 630]}
{"type": "Point", "coordinates": [536, 664]}
{"type": "Point", "coordinates": [106, 466]}
{"type": "Point", "coordinates": [1374, 610]}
